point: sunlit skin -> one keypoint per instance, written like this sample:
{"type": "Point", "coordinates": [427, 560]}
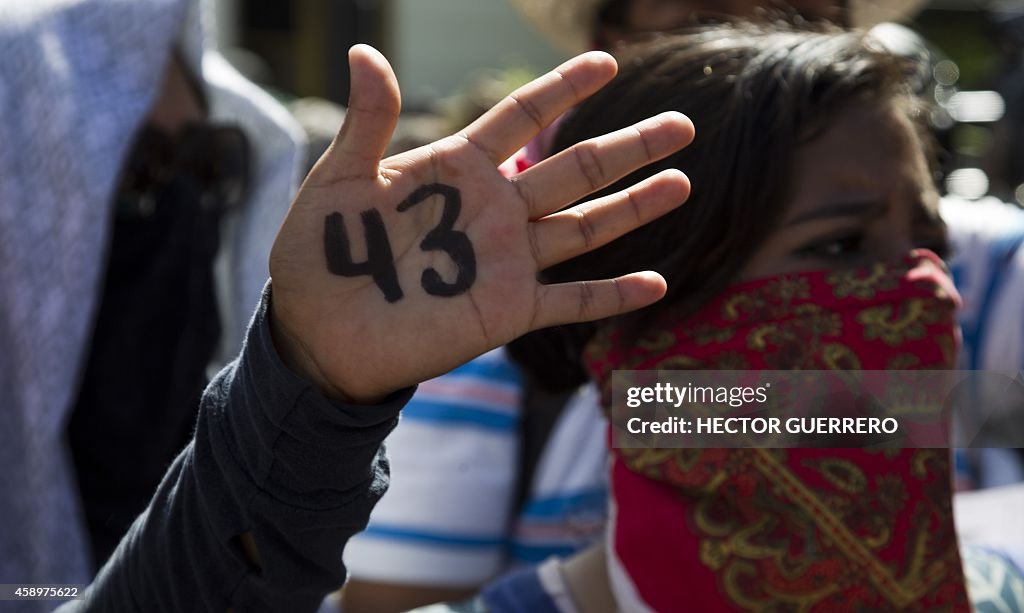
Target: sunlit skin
{"type": "Point", "coordinates": [342, 335]}
{"type": "Point", "coordinates": [516, 227]}
{"type": "Point", "coordinates": [861, 192]}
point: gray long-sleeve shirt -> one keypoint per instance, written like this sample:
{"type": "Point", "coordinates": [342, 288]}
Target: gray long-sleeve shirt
{"type": "Point", "coordinates": [272, 457]}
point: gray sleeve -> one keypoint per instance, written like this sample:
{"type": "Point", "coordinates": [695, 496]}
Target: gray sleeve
{"type": "Point", "coordinates": [272, 457]}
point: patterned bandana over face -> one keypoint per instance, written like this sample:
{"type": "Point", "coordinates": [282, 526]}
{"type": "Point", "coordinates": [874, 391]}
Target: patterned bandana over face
{"type": "Point", "coordinates": [791, 529]}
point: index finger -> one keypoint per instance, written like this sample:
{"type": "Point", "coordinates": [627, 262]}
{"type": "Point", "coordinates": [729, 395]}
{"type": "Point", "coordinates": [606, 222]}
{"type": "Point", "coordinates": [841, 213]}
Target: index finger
{"type": "Point", "coordinates": [521, 115]}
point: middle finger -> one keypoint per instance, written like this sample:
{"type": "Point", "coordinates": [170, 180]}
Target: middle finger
{"type": "Point", "coordinates": [588, 166]}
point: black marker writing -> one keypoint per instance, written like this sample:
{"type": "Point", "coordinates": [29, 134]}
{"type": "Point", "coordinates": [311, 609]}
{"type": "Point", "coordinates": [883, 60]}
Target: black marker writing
{"type": "Point", "coordinates": [445, 238]}
{"type": "Point", "coordinates": [379, 264]}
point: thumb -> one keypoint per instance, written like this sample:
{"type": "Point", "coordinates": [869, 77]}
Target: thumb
{"type": "Point", "coordinates": [373, 108]}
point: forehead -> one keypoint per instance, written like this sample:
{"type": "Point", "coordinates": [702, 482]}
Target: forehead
{"type": "Point", "coordinates": [867, 147]}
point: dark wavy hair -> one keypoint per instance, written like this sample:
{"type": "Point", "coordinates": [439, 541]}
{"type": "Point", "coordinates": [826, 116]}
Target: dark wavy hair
{"type": "Point", "coordinates": [755, 94]}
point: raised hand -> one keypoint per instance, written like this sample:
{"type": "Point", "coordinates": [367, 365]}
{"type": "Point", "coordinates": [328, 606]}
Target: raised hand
{"type": "Point", "coordinates": [389, 272]}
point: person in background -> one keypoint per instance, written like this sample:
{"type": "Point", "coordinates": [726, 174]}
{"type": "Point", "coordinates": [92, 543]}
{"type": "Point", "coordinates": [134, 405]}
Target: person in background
{"type": "Point", "coordinates": [986, 258]}
{"type": "Point", "coordinates": [531, 464]}
{"type": "Point", "coordinates": [812, 243]}
{"type": "Point", "coordinates": [141, 183]}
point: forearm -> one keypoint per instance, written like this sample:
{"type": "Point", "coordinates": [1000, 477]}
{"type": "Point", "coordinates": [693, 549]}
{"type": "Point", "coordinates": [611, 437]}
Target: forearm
{"type": "Point", "coordinates": [271, 457]}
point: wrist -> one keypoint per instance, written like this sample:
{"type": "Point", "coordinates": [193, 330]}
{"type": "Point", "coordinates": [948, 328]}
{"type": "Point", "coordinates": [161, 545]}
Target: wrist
{"type": "Point", "coordinates": [297, 358]}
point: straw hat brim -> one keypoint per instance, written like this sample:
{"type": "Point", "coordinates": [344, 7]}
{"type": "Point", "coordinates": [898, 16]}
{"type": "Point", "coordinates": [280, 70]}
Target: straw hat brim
{"type": "Point", "coordinates": [868, 13]}
{"type": "Point", "coordinates": [568, 23]}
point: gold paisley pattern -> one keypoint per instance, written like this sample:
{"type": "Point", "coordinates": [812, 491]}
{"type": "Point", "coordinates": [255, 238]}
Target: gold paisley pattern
{"type": "Point", "coordinates": [810, 529]}
{"type": "Point", "coordinates": [863, 285]}
{"type": "Point", "coordinates": [896, 324]}
{"type": "Point", "coordinates": [778, 549]}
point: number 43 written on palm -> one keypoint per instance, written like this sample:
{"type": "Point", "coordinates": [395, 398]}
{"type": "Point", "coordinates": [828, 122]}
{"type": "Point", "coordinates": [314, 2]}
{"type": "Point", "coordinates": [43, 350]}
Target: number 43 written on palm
{"type": "Point", "coordinates": [380, 262]}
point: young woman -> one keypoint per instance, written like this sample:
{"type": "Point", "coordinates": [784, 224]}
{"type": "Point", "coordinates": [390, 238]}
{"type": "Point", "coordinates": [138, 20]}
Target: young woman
{"type": "Point", "coordinates": [811, 241]}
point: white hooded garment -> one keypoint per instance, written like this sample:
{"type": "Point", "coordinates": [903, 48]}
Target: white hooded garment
{"type": "Point", "coordinates": [77, 78]}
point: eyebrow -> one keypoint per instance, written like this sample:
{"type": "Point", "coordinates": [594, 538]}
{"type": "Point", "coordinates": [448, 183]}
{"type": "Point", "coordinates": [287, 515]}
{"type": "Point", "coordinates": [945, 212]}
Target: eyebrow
{"type": "Point", "coordinates": [850, 208]}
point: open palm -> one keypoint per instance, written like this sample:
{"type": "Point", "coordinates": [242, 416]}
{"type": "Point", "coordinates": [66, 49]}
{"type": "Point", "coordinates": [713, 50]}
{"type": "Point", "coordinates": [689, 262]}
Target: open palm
{"type": "Point", "coordinates": [388, 272]}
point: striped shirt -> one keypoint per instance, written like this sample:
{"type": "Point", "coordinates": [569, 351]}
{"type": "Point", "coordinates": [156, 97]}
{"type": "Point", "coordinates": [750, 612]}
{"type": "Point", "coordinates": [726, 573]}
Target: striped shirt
{"type": "Point", "coordinates": [448, 518]}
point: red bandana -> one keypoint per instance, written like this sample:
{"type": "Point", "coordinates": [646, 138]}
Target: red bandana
{"type": "Point", "coordinates": [792, 529]}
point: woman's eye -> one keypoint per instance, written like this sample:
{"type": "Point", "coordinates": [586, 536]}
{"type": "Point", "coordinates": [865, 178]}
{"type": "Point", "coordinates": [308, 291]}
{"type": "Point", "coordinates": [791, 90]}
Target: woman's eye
{"type": "Point", "coordinates": [835, 248]}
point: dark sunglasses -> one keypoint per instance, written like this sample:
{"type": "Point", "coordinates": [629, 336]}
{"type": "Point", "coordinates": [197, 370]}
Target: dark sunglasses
{"type": "Point", "coordinates": [215, 157]}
